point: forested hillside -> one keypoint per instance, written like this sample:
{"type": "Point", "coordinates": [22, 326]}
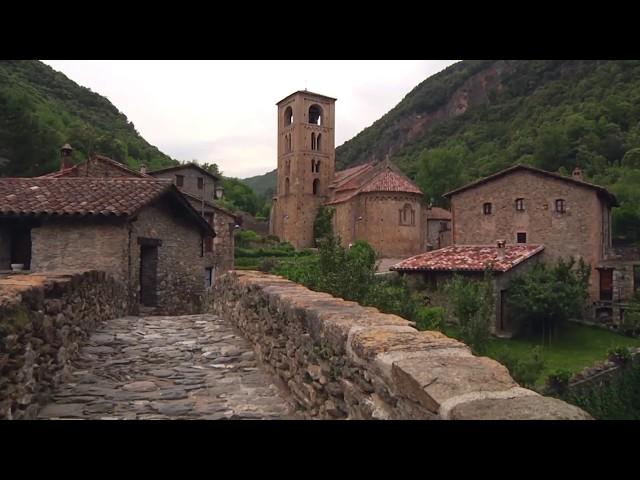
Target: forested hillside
{"type": "Point", "coordinates": [41, 109]}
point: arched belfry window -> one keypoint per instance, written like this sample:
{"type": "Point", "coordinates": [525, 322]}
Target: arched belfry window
{"type": "Point", "coordinates": [288, 116]}
{"type": "Point", "coordinates": [286, 186]}
{"type": "Point", "coordinates": [315, 166]}
{"type": "Point", "coordinates": [318, 147]}
{"type": "Point", "coordinates": [315, 115]}
{"type": "Point", "coordinates": [316, 186]}
{"type": "Point", "coordinates": [313, 141]}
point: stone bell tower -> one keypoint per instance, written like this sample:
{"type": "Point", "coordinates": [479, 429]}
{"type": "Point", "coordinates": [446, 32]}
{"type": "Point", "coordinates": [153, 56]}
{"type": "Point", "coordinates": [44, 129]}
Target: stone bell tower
{"type": "Point", "coordinates": [306, 164]}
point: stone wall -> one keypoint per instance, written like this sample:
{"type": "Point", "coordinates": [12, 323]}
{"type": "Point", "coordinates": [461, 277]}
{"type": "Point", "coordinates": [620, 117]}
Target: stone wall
{"type": "Point", "coordinates": [42, 320]}
{"type": "Point", "coordinates": [79, 245]}
{"type": "Point", "coordinates": [375, 217]}
{"type": "Point", "coordinates": [181, 275]}
{"type": "Point", "coordinates": [344, 361]}
{"type": "Point", "coordinates": [190, 185]}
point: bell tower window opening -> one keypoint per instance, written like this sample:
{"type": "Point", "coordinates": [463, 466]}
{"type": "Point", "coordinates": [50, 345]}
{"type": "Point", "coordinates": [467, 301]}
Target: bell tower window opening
{"type": "Point", "coordinates": [313, 141]}
{"type": "Point", "coordinates": [286, 186]}
{"type": "Point", "coordinates": [288, 116]}
{"type": "Point", "coordinates": [315, 115]}
{"type": "Point", "coordinates": [318, 147]}
{"type": "Point", "coordinates": [316, 186]}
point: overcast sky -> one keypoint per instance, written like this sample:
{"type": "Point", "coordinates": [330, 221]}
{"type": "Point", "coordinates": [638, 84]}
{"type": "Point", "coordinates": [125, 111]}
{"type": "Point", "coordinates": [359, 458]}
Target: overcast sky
{"type": "Point", "coordinates": [224, 111]}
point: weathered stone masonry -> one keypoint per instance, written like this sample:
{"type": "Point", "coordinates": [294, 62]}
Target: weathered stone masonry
{"type": "Point", "coordinates": [343, 360]}
{"type": "Point", "coordinates": [42, 320]}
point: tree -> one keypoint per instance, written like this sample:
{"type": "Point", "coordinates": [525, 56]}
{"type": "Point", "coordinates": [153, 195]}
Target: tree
{"type": "Point", "coordinates": [323, 223]}
{"type": "Point", "coordinates": [440, 170]}
{"type": "Point", "coordinates": [543, 299]}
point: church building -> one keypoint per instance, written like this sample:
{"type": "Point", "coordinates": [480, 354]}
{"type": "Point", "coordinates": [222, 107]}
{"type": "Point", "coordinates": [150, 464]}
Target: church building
{"type": "Point", "coordinates": [373, 202]}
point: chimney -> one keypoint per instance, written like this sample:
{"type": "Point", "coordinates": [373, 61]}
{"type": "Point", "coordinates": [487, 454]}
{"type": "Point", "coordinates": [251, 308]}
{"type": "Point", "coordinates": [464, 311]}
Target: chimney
{"type": "Point", "coordinates": [501, 246]}
{"type": "Point", "coordinates": [143, 168]}
{"type": "Point", "coordinates": [577, 174]}
{"type": "Point", "coordinates": [65, 157]}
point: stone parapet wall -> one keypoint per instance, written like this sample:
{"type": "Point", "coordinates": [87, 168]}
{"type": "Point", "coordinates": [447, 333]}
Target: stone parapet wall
{"type": "Point", "coordinates": [42, 319]}
{"type": "Point", "coordinates": [341, 360]}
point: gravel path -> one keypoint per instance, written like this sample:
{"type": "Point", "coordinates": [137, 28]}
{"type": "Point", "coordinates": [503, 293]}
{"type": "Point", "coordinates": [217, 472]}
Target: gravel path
{"type": "Point", "coordinates": [185, 367]}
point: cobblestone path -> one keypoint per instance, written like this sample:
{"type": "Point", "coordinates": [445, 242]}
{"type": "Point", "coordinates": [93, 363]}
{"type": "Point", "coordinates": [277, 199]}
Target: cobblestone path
{"type": "Point", "coordinates": [186, 367]}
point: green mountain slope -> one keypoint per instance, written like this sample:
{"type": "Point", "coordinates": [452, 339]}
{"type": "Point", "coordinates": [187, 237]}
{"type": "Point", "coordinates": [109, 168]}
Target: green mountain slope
{"type": "Point", "coordinates": [41, 109]}
{"type": "Point", "coordinates": [263, 185]}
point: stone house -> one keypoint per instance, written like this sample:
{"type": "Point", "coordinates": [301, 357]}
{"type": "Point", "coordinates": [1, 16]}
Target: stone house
{"type": "Point", "coordinates": [218, 252]}
{"type": "Point", "coordinates": [142, 231]}
{"type": "Point", "coordinates": [526, 205]}
{"type": "Point", "coordinates": [438, 227]}
{"type": "Point", "coordinates": [201, 189]}
{"type": "Point", "coordinates": [430, 270]}
{"type": "Point", "coordinates": [372, 202]}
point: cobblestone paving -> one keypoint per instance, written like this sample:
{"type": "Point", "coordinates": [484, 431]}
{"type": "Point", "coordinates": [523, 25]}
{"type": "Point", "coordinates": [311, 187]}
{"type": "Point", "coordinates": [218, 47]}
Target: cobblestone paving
{"type": "Point", "coordinates": [186, 367]}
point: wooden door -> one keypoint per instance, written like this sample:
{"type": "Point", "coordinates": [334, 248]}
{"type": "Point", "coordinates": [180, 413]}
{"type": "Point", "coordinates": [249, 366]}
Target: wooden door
{"type": "Point", "coordinates": [606, 284]}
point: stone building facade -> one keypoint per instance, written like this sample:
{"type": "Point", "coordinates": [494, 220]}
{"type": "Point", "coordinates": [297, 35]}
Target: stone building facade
{"type": "Point", "coordinates": [201, 189]}
{"type": "Point", "coordinates": [140, 231]}
{"type": "Point", "coordinates": [372, 202]}
{"type": "Point", "coordinates": [525, 205]}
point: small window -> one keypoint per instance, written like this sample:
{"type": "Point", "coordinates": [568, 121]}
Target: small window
{"type": "Point", "coordinates": [200, 183]}
{"type": "Point", "coordinates": [318, 144]}
{"type": "Point", "coordinates": [313, 141]}
{"type": "Point", "coordinates": [208, 277]}
{"type": "Point", "coordinates": [179, 180]}
{"type": "Point", "coordinates": [521, 237]}
{"type": "Point", "coordinates": [486, 208]}
{"type": "Point", "coordinates": [520, 204]}
{"type": "Point", "coordinates": [208, 244]}
{"type": "Point", "coordinates": [286, 186]}
{"type": "Point", "coordinates": [561, 206]}
{"type": "Point", "coordinates": [316, 186]}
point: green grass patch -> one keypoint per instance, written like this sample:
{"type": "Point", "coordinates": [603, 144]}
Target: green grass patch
{"type": "Point", "coordinates": [575, 348]}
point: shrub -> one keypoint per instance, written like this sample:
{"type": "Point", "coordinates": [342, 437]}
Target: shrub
{"type": "Point", "coordinates": [558, 381]}
{"type": "Point", "coordinates": [524, 370]}
{"type": "Point", "coordinates": [471, 303]}
{"type": "Point", "coordinates": [429, 318]}
{"type": "Point", "coordinates": [620, 355]}
{"type": "Point", "coordinates": [243, 238]}
{"type": "Point", "coordinates": [268, 265]}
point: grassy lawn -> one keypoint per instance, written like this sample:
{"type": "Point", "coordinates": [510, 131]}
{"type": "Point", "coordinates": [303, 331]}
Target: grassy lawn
{"type": "Point", "coordinates": [577, 347]}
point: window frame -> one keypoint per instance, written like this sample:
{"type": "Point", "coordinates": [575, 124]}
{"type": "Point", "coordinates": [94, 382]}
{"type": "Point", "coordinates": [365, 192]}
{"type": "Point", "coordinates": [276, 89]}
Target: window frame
{"type": "Point", "coordinates": [518, 237]}
{"type": "Point", "coordinates": [489, 210]}
{"type": "Point", "coordinates": [520, 204]}
{"type": "Point", "coordinates": [179, 180]}
{"type": "Point", "coordinates": [562, 202]}
{"type": "Point", "coordinates": [200, 183]}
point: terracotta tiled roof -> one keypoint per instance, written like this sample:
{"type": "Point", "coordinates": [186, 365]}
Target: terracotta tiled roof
{"type": "Point", "coordinates": [368, 177]}
{"type": "Point", "coordinates": [76, 170]}
{"type": "Point", "coordinates": [343, 175]}
{"type": "Point", "coordinates": [437, 213]}
{"type": "Point", "coordinates": [390, 181]}
{"type": "Point", "coordinates": [610, 197]}
{"type": "Point", "coordinates": [77, 195]}
{"type": "Point", "coordinates": [469, 258]}
{"type": "Point", "coordinates": [213, 205]}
